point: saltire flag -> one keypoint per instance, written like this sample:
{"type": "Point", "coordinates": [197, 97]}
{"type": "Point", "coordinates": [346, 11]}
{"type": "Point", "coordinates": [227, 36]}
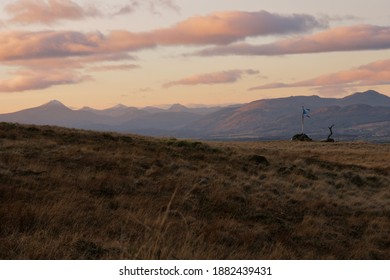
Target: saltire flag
{"type": "Point", "coordinates": [305, 112]}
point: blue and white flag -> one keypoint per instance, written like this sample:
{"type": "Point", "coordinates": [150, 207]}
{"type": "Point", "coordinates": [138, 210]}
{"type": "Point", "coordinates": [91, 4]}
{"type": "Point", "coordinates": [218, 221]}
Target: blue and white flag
{"type": "Point", "coordinates": [305, 112]}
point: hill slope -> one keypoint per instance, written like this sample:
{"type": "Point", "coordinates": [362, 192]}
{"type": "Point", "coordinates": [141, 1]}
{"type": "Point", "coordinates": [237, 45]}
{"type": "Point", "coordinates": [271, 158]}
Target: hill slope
{"type": "Point", "coordinates": [68, 194]}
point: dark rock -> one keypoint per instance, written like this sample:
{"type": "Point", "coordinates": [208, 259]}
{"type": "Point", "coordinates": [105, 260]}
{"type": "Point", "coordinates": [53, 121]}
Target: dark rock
{"type": "Point", "coordinates": [329, 140]}
{"type": "Point", "coordinates": [301, 137]}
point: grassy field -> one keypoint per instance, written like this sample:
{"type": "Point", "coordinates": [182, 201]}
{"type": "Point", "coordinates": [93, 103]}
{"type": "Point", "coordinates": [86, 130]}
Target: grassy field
{"type": "Point", "coordinates": [68, 194]}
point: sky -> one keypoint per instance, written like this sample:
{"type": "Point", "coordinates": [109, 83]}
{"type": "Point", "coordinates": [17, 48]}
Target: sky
{"type": "Point", "coordinates": [156, 52]}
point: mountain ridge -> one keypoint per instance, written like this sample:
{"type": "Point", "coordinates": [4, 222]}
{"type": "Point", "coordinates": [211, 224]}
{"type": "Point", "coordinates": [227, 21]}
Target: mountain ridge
{"type": "Point", "coordinates": [355, 116]}
{"type": "Point", "coordinates": [265, 117]}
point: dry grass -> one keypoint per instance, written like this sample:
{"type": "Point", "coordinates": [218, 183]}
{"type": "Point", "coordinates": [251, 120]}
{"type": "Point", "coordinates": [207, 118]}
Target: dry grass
{"type": "Point", "coordinates": [68, 194]}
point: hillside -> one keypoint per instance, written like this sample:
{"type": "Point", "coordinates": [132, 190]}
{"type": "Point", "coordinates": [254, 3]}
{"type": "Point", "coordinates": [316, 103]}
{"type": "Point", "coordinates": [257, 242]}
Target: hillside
{"type": "Point", "coordinates": [71, 194]}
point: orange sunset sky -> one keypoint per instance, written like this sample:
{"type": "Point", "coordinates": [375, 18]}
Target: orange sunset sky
{"type": "Point", "coordinates": [154, 52]}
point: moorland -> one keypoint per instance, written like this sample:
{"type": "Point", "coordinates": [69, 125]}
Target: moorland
{"type": "Point", "coordinates": [75, 194]}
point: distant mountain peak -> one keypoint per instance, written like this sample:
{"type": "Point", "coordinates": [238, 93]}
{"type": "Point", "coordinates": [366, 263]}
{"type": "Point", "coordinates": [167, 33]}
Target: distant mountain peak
{"type": "Point", "coordinates": [54, 103]}
{"type": "Point", "coordinates": [371, 91]}
{"type": "Point", "coordinates": [366, 93]}
{"type": "Point", "coordinates": [178, 105]}
{"type": "Point", "coordinates": [371, 97]}
{"type": "Point", "coordinates": [178, 108]}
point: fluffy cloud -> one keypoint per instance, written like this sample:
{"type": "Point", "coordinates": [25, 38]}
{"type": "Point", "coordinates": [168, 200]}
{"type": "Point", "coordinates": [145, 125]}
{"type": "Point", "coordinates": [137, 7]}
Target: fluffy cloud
{"type": "Point", "coordinates": [47, 11]}
{"type": "Point", "coordinates": [375, 73]}
{"type": "Point", "coordinates": [222, 77]}
{"type": "Point", "coordinates": [66, 54]}
{"type": "Point", "coordinates": [45, 44]}
{"type": "Point", "coordinates": [73, 50]}
{"type": "Point", "coordinates": [218, 28]}
{"type": "Point", "coordinates": [228, 27]}
{"type": "Point", "coordinates": [33, 80]}
{"type": "Point", "coordinates": [350, 38]}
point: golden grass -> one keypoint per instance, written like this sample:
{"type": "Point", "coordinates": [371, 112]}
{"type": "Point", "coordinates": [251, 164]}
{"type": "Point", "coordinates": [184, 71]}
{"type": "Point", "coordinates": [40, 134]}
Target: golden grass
{"type": "Point", "coordinates": [70, 194]}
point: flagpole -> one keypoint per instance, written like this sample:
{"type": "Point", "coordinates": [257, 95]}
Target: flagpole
{"type": "Point", "coordinates": [303, 117]}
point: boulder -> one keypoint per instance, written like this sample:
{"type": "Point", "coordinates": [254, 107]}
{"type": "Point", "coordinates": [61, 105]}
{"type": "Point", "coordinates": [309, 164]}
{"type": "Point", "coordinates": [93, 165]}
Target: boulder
{"type": "Point", "coordinates": [301, 137]}
{"type": "Point", "coordinates": [329, 140]}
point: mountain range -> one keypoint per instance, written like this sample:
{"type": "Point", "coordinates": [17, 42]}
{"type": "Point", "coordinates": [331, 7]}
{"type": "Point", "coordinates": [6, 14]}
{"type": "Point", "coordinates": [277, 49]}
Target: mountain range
{"type": "Point", "coordinates": [360, 116]}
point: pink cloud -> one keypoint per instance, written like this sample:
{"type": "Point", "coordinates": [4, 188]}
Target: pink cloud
{"type": "Point", "coordinates": [70, 63]}
{"type": "Point", "coordinates": [72, 50]}
{"type": "Point", "coordinates": [46, 44]}
{"type": "Point", "coordinates": [64, 53]}
{"type": "Point", "coordinates": [120, 67]}
{"type": "Point", "coordinates": [228, 27]}
{"type": "Point", "coordinates": [223, 77]}
{"type": "Point", "coordinates": [350, 38]}
{"type": "Point", "coordinates": [33, 80]}
{"type": "Point", "coordinates": [218, 28]}
{"type": "Point", "coordinates": [375, 73]}
{"type": "Point", "coordinates": [47, 11]}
